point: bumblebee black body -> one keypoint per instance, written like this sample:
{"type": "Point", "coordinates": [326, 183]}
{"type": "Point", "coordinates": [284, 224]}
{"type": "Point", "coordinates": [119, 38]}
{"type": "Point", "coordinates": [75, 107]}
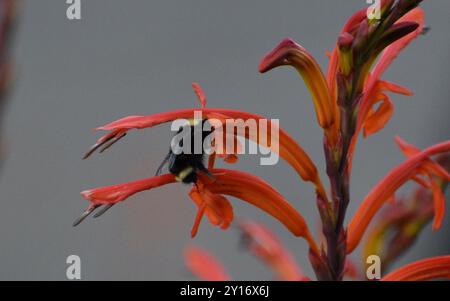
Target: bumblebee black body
{"type": "Point", "coordinates": [185, 166]}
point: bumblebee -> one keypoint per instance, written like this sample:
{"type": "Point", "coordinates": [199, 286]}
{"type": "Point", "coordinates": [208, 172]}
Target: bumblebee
{"type": "Point", "coordinates": [185, 166]}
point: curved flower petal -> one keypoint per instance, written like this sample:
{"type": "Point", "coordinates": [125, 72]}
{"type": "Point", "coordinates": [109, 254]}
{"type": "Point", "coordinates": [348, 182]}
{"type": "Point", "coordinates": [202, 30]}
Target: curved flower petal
{"type": "Point", "coordinates": [289, 150]}
{"type": "Point", "coordinates": [264, 244]}
{"type": "Point", "coordinates": [439, 203]}
{"type": "Point", "coordinates": [204, 265]}
{"type": "Point", "coordinates": [290, 53]}
{"type": "Point", "coordinates": [394, 88]}
{"type": "Point", "coordinates": [216, 207]}
{"type": "Point", "coordinates": [119, 192]}
{"type": "Point", "coordinates": [257, 192]}
{"type": "Point", "coordinates": [376, 120]}
{"type": "Point", "coordinates": [385, 189]}
{"type": "Point", "coordinates": [430, 165]}
{"type": "Point", "coordinates": [200, 94]}
{"type": "Point", "coordinates": [431, 169]}
{"type": "Point", "coordinates": [425, 269]}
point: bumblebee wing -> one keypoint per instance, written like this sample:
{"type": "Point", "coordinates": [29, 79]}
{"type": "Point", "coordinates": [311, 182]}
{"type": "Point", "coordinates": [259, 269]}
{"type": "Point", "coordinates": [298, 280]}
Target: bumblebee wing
{"type": "Point", "coordinates": [166, 159]}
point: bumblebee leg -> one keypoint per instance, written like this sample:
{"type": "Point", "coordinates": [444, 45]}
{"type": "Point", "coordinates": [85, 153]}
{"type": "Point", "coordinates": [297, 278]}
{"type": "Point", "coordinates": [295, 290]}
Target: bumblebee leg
{"type": "Point", "coordinates": [166, 159]}
{"type": "Point", "coordinates": [200, 167]}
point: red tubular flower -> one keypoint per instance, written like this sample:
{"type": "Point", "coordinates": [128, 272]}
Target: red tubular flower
{"type": "Point", "coordinates": [216, 207]}
{"type": "Point", "coordinates": [204, 265]}
{"type": "Point", "coordinates": [253, 190]}
{"type": "Point", "coordinates": [264, 244]}
{"type": "Point", "coordinates": [288, 52]}
{"type": "Point", "coordinates": [400, 224]}
{"type": "Point", "coordinates": [404, 172]}
{"type": "Point", "coordinates": [111, 195]}
{"type": "Point", "coordinates": [119, 192]}
{"type": "Point", "coordinates": [422, 270]}
{"type": "Point", "coordinates": [429, 169]}
{"type": "Point", "coordinates": [208, 195]}
{"type": "Point", "coordinates": [289, 150]}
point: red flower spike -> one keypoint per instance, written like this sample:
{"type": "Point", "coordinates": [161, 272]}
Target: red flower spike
{"type": "Point", "coordinates": [386, 188]}
{"type": "Point", "coordinates": [204, 265]}
{"type": "Point", "coordinates": [430, 165]}
{"type": "Point", "coordinates": [264, 244]}
{"type": "Point", "coordinates": [422, 270]}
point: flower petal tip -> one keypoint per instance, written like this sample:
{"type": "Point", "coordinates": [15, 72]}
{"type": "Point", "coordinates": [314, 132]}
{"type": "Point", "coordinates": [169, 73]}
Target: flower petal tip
{"type": "Point", "coordinates": [276, 57]}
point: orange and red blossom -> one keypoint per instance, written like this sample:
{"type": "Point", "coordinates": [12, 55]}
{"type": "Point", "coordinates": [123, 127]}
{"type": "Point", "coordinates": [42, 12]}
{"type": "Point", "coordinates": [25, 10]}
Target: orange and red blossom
{"type": "Point", "coordinates": [116, 193]}
{"type": "Point", "coordinates": [375, 87]}
{"type": "Point", "coordinates": [204, 265]}
{"type": "Point", "coordinates": [289, 53]}
{"type": "Point", "coordinates": [208, 195]}
{"type": "Point", "coordinates": [265, 245]}
{"type": "Point", "coordinates": [288, 149]}
{"type": "Point", "coordinates": [426, 269]}
{"type": "Point", "coordinates": [398, 226]}
{"type": "Point", "coordinates": [248, 188]}
{"type": "Point", "coordinates": [386, 188]}
{"type": "Point", "coordinates": [375, 90]}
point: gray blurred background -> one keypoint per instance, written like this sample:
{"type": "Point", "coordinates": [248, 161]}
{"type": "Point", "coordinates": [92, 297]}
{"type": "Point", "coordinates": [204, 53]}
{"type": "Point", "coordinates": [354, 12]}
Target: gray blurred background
{"type": "Point", "coordinates": [140, 57]}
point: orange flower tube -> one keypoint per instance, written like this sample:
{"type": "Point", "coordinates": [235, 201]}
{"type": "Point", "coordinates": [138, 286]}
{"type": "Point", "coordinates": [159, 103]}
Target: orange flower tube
{"type": "Point", "coordinates": [385, 189]}
{"type": "Point", "coordinates": [290, 53]}
{"type": "Point", "coordinates": [422, 270]}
